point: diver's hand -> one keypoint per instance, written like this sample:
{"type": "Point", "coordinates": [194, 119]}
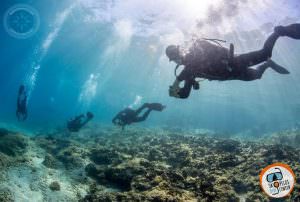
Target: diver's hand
{"type": "Point", "coordinates": [174, 91]}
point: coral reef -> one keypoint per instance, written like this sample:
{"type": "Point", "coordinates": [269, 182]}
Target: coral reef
{"type": "Point", "coordinates": [50, 161]}
{"type": "Point", "coordinates": [138, 164]}
{"type": "Point", "coordinates": [153, 166]}
{"type": "Point", "coordinates": [287, 137]}
{"type": "Point", "coordinates": [12, 144]}
{"type": "Point", "coordinates": [64, 151]}
{"type": "Point", "coordinates": [6, 195]}
{"type": "Point", "coordinates": [29, 171]}
{"type": "Point", "coordinates": [54, 186]}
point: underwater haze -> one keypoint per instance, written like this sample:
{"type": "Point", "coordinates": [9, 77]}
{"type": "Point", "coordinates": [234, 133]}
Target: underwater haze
{"type": "Point", "coordinates": [105, 55]}
{"type": "Point", "coordinates": [84, 61]}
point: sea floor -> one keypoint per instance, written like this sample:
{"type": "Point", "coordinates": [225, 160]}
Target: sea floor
{"type": "Point", "coordinates": [139, 164]}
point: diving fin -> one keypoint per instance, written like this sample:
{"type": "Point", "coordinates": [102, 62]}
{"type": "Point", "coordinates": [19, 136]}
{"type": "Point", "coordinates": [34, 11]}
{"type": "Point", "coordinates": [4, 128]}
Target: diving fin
{"type": "Point", "coordinates": [156, 106]}
{"type": "Point", "coordinates": [276, 67]}
{"type": "Point", "coordinates": [292, 30]}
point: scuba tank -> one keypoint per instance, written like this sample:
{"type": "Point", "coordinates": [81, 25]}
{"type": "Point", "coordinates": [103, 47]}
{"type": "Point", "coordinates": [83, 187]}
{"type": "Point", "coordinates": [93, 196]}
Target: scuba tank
{"type": "Point", "coordinates": [229, 61]}
{"type": "Point", "coordinates": [231, 47]}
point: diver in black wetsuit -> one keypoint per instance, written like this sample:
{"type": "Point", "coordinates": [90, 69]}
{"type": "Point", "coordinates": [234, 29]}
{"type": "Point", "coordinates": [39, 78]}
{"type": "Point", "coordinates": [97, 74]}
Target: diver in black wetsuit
{"type": "Point", "coordinates": [21, 112]}
{"type": "Point", "coordinates": [74, 125]}
{"type": "Point", "coordinates": [213, 62]}
{"type": "Point", "coordinates": [129, 116]}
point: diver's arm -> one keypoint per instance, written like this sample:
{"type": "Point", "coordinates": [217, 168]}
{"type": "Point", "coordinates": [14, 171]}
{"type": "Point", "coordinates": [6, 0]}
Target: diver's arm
{"type": "Point", "coordinates": [80, 116]}
{"type": "Point", "coordinates": [187, 77]}
{"type": "Point", "coordinates": [184, 75]}
{"type": "Point", "coordinates": [114, 121]}
{"type": "Point", "coordinates": [186, 90]}
{"type": "Point", "coordinates": [174, 88]}
{"type": "Point", "coordinates": [139, 110]}
{"type": "Point", "coordinates": [176, 91]}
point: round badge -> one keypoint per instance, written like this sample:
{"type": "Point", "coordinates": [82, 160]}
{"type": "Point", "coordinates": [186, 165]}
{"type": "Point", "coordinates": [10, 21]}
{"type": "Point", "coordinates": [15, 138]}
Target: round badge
{"type": "Point", "coordinates": [277, 180]}
{"type": "Point", "coordinates": [21, 21]}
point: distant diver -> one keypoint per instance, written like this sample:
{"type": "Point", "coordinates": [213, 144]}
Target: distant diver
{"type": "Point", "coordinates": [214, 62]}
{"type": "Point", "coordinates": [74, 125]}
{"type": "Point", "coordinates": [129, 116]}
{"type": "Point", "coordinates": [21, 112]}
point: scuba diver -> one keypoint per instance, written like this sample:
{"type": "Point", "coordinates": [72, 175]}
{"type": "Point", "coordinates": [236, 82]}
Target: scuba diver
{"type": "Point", "coordinates": [129, 116]}
{"type": "Point", "coordinates": [21, 112]}
{"type": "Point", "coordinates": [214, 62]}
{"type": "Point", "coordinates": [74, 125]}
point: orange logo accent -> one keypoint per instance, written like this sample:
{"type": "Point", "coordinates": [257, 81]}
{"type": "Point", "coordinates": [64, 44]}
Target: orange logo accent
{"type": "Point", "coordinates": [277, 180]}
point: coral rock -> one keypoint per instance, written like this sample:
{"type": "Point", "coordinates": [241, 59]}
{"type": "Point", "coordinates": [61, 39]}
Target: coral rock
{"type": "Point", "coordinates": [54, 186]}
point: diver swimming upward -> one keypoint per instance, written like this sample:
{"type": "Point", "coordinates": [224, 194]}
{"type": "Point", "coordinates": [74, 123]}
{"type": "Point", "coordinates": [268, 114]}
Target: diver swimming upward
{"type": "Point", "coordinates": [213, 62]}
{"type": "Point", "coordinates": [21, 112]}
{"type": "Point", "coordinates": [129, 116]}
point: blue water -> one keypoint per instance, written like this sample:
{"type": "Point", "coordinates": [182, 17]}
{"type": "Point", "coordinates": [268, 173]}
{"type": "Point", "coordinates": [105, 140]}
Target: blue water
{"type": "Point", "coordinates": [102, 56]}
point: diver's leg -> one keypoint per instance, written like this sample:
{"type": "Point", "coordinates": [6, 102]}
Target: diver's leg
{"type": "Point", "coordinates": [256, 57]}
{"type": "Point", "coordinates": [18, 115]}
{"type": "Point", "coordinates": [24, 116]}
{"type": "Point", "coordinates": [144, 117]}
{"type": "Point", "coordinates": [252, 74]}
{"type": "Point", "coordinates": [292, 30]}
{"type": "Point", "coordinates": [253, 58]}
{"type": "Point", "coordinates": [139, 110]}
{"type": "Point", "coordinates": [83, 121]}
{"type": "Point", "coordinates": [156, 106]}
{"type": "Point", "coordinates": [89, 116]}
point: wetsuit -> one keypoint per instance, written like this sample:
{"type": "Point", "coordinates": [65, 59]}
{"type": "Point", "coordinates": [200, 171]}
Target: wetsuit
{"type": "Point", "coordinates": [78, 122]}
{"type": "Point", "coordinates": [212, 62]}
{"type": "Point", "coordinates": [129, 116]}
{"type": "Point", "coordinates": [21, 112]}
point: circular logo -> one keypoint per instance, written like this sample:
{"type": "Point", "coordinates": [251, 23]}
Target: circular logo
{"type": "Point", "coordinates": [21, 21]}
{"type": "Point", "coordinates": [277, 180]}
